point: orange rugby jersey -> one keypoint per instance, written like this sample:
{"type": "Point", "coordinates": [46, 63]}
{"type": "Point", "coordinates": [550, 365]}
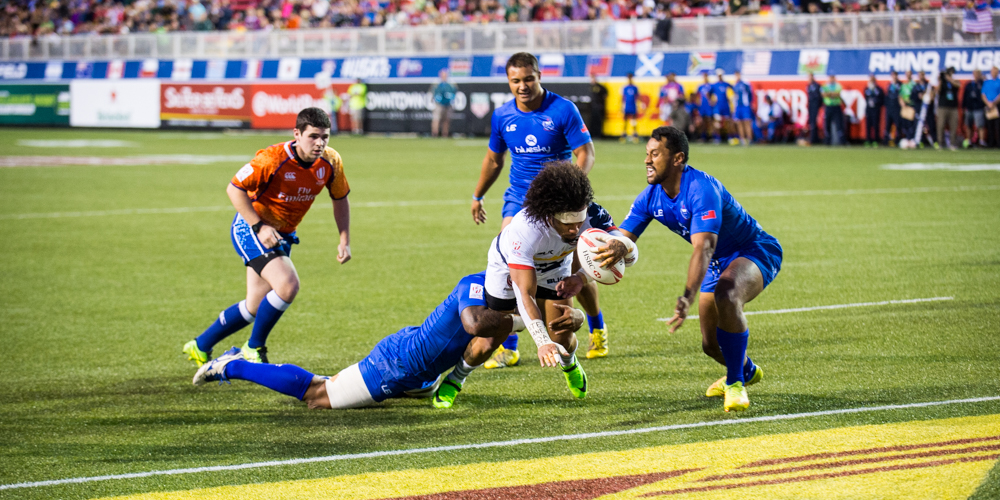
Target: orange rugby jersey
{"type": "Point", "coordinates": [282, 191]}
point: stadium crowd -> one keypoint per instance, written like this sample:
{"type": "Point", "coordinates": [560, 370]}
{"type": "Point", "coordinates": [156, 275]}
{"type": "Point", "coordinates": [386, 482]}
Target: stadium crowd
{"type": "Point", "coordinates": [45, 18]}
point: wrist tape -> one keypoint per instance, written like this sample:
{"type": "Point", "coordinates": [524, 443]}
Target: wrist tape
{"type": "Point", "coordinates": [539, 333]}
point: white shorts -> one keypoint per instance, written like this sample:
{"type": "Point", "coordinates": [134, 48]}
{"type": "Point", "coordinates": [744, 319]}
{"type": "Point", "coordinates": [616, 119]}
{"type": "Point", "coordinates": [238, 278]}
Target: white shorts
{"type": "Point", "coordinates": [348, 389]}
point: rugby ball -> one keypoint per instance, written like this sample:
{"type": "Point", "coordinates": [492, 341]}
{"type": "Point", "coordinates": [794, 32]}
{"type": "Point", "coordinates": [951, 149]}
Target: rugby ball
{"type": "Point", "coordinates": [586, 252]}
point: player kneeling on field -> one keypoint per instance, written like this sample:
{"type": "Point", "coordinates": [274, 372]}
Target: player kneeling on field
{"type": "Point", "coordinates": [529, 269]}
{"type": "Point", "coordinates": [408, 362]}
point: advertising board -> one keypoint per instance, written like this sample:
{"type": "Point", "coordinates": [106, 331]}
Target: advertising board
{"type": "Point", "coordinates": [275, 106]}
{"type": "Point", "coordinates": [197, 105]}
{"type": "Point", "coordinates": [34, 105]}
{"type": "Point", "coordinates": [115, 103]}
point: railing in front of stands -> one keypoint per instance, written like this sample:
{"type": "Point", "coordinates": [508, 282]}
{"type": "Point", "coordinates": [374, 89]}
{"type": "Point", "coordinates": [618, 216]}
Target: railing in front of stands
{"type": "Point", "coordinates": [909, 29]}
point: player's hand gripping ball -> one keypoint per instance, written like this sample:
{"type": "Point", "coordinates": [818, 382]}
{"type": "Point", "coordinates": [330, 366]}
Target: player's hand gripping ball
{"type": "Point", "coordinates": [586, 251]}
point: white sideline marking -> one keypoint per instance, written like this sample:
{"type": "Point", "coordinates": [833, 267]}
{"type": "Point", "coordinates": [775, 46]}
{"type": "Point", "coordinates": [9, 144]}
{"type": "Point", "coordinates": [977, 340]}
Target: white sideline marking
{"type": "Point", "coordinates": [436, 203]}
{"type": "Point", "coordinates": [494, 444]}
{"type": "Point", "coordinates": [835, 306]}
{"type": "Point", "coordinates": [950, 167]}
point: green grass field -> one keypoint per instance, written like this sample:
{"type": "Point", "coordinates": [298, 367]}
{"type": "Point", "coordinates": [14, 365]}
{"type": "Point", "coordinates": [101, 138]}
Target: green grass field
{"type": "Point", "coordinates": [109, 270]}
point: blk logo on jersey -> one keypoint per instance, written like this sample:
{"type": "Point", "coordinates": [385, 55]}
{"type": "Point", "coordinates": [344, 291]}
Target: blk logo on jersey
{"type": "Point", "coordinates": [511, 128]}
{"type": "Point", "coordinates": [531, 140]}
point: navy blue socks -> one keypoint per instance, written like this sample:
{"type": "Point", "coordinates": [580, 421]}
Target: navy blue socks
{"type": "Point", "coordinates": [734, 349]}
{"type": "Point", "coordinates": [511, 342]}
{"type": "Point", "coordinates": [269, 312]}
{"type": "Point", "coordinates": [286, 379]}
{"type": "Point", "coordinates": [596, 322]}
{"type": "Point", "coordinates": [230, 321]}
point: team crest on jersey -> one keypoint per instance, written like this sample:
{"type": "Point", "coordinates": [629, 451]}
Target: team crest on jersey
{"type": "Point", "coordinates": [531, 140]}
{"type": "Point", "coordinates": [517, 245]}
{"type": "Point", "coordinates": [289, 176]}
{"type": "Point", "coordinates": [476, 291]}
{"type": "Point", "coordinates": [684, 212]}
{"type": "Point", "coordinates": [548, 124]}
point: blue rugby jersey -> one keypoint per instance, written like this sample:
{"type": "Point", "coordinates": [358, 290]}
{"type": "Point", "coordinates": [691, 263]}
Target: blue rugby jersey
{"type": "Point", "coordinates": [535, 138]}
{"type": "Point", "coordinates": [702, 206]}
{"type": "Point", "coordinates": [743, 94]}
{"type": "Point", "coordinates": [719, 88]}
{"type": "Point", "coordinates": [422, 353]}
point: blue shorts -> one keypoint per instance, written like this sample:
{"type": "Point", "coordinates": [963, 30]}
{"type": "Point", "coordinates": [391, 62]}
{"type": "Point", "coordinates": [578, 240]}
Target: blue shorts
{"type": "Point", "coordinates": [721, 113]}
{"type": "Point", "coordinates": [384, 373]}
{"type": "Point", "coordinates": [512, 202]}
{"type": "Point", "coordinates": [249, 247]}
{"type": "Point", "coordinates": [765, 251]}
{"type": "Point", "coordinates": [743, 114]}
{"type": "Point", "coordinates": [705, 111]}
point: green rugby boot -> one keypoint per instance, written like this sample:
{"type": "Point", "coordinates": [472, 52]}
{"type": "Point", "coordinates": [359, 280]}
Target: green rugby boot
{"type": "Point", "coordinates": [576, 380]}
{"type": "Point", "coordinates": [446, 394]}
{"type": "Point", "coordinates": [258, 355]}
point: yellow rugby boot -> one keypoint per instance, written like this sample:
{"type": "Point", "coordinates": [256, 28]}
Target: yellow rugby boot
{"type": "Point", "coordinates": [736, 398]}
{"type": "Point", "coordinates": [718, 389]}
{"type": "Point", "coordinates": [502, 358]}
{"type": "Point", "coordinates": [197, 355]}
{"type": "Point", "coordinates": [598, 343]}
{"type": "Point", "coordinates": [258, 355]}
{"type": "Point", "coordinates": [576, 380]}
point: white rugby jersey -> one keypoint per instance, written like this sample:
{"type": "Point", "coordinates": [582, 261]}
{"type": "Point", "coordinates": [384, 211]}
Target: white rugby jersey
{"type": "Point", "coordinates": [524, 244]}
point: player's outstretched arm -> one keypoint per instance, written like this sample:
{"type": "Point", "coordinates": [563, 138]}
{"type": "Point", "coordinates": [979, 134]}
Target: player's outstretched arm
{"type": "Point", "coordinates": [585, 157]}
{"type": "Point", "coordinates": [268, 235]}
{"type": "Point", "coordinates": [342, 215]}
{"type": "Point", "coordinates": [479, 321]}
{"type": "Point", "coordinates": [490, 172]}
{"type": "Point", "coordinates": [704, 247]}
{"type": "Point", "coordinates": [525, 285]}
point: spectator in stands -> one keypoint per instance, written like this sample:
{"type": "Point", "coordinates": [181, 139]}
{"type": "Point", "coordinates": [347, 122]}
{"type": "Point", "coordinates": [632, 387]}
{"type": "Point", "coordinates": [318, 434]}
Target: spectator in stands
{"type": "Point", "coordinates": [814, 93]}
{"type": "Point", "coordinates": [736, 8]}
{"type": "Point", "coordinates": [948, 109]}
{"type": "Point", "coordinates": [973, 107]}
{"type": "Point", "coordinates": [991, 97]}
{"type": "Point", "coordinates": [892, 109]}
{"type": "Point", "coordinates": [874, 101]}
{"type": "Point", "coordinates": [444, 93]}
{"type": "Point", "coordinates": [833, 112]}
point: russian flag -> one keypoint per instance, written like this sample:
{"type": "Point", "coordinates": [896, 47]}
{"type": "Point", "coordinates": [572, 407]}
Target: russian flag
{"type": "Point", "coordinates": [552, 64]}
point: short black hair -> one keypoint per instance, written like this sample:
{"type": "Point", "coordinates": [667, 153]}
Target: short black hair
{"type": "Point", "coordinates": [312, 116]}
{"type": "Point", "coordinates": [674, 139]}
{"type": "Point", "coordinates": [560, 187]}
{"type": "Point", "coordinates": [522, 60]}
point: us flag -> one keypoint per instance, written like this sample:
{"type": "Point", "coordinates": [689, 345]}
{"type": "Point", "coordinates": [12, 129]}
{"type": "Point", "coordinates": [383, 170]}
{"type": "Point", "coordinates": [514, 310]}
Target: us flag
{"type": "Point", "coordinates": [978, 20]}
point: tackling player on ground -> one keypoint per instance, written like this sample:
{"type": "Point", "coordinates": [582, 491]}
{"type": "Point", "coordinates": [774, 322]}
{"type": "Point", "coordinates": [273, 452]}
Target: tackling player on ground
{"type": "Point", "coordinates": [271, 195]}
{"type": "Point", "coordinates": [537, 126]}
{"type": "Point", "coordinates": [406, 363]}
{"type": "Point", "coordinates": [733, 259]}
{"type": "Point", "coordinates": [529, 270]}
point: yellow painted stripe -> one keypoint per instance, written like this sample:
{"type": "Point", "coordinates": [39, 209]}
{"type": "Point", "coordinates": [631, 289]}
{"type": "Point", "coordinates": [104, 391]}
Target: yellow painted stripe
{"type": "Point", "coordinates": [955, 480]}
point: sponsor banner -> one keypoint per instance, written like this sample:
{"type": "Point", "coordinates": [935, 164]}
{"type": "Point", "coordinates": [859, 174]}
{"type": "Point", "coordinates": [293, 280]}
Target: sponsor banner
{"type": "Point", "coordinates": [34, 105]}
{"type": "Point", "coordinates": [553, 65]}
{"type": "Point", "coordinates": [115, 103]}
{"type": "Point", "coordinates": [200, 105]}
{"type": "Point", "coordinates": [408, 107]}
{"type": "Point", "coordinates": [275, 106]}
{"type": "Point", "coordinates": [791, 96]}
